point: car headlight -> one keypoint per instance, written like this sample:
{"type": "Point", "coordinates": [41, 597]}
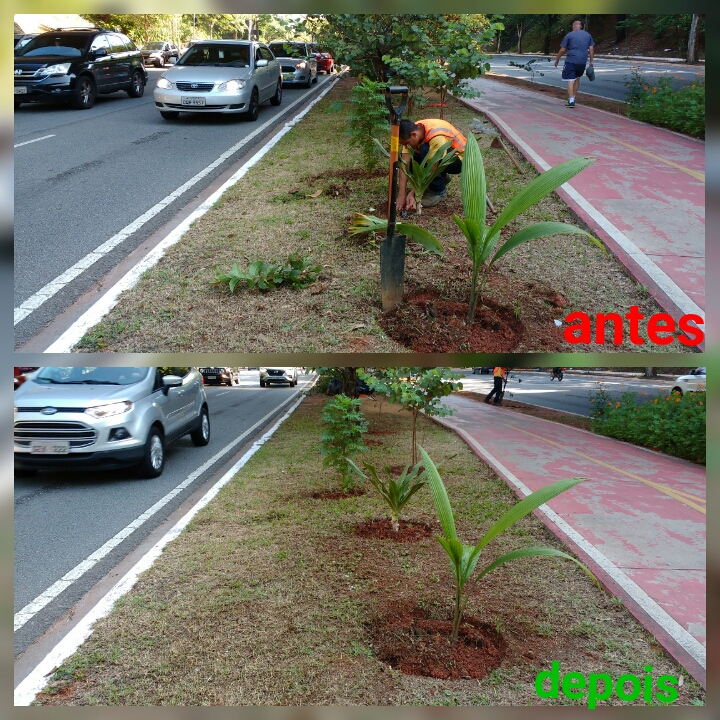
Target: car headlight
{"type": "Point", "coordinates": [104, 411]}
{"type": "Point", "coordinates": [164, 84]}
{"type": "Point", "coordinates": [231, 86]}
{"type": "Point", "coordinates": [59, 69]}
{"type": "Point", "coordinates": [301, 65]}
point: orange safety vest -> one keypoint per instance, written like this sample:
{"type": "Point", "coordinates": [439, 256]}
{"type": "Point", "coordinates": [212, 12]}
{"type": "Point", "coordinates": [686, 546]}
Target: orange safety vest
{"type": "Point", "coordinates": [434, 127]}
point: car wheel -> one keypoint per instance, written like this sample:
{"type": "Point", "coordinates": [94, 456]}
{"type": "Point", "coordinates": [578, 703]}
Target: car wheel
{"type": "Point", "coordinates": [254, 108]}
{"type": "Point", "coordinates": [262, 383]}
{"type": "Point", "coordinates": [154, 461]}
{"type": "Point", "coordinates": [676, 391]}
{"type": "Point", "coordinates": [316, 77]}
{"type": "Point", "coordinates": [309, 81]}
{"type": "Point", "coordinates": [276, 99]}
{"type": "Point", "coordinates": [170, 114]}
{"type": "Point", "coordinates": [230, 382]}
{"type": "Point", "coordinates": [17, 104]}
{"type": "Point", "coordinates": [201, 435]}
{"type": "Point", "coordinates": [85, 93]}
{"type": "Point", "coordinates": [159, 63]}
{"type": "Point", "coordinates": [137, 88]}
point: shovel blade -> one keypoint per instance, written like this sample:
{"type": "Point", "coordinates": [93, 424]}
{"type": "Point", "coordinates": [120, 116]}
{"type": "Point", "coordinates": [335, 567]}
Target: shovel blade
{"type": "Point", "coordinates": [392, 271]}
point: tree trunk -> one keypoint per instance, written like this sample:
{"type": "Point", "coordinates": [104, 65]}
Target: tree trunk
{"type": "Point", "coordinates": [693, 40]}
{"type": "Point", "coordinates": [498, 42]}
{"type": "Point", "coordinates": [586, 28]}
{"type": "Point", "coordinates": [620, 33]}
{"type": "Point", "coordinates": [520, 30]}
{"type": "Point", "coordinates": [650, 372]}
{"type": "Point", "coordinates": [414, 436]}
{"type": "Point", "coordinates": [546, 45]}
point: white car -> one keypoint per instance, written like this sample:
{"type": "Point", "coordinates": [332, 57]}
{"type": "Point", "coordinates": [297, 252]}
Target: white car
{"type": "Point", "coordinates": [222, 76]}
{"type": "Point", "coordinates": [272, 376]}
{"type": "Point", "coordinates": [690, 383]}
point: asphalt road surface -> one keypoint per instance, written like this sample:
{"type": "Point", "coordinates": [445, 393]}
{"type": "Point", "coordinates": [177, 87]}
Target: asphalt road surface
{"type": "Point", "coordinates": [572, 394]}
{"type": "Point", "coordinates": [62, 518]}
{"type": "Point", "coordinates": [82, 176]}
{"type": "Point", "coordinates": [610, 75]}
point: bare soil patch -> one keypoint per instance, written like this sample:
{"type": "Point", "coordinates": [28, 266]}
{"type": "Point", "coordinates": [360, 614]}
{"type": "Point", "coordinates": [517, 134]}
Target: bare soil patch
{"type": "Point", "coordinates": [407, 530]}
{"type": "Point", "coordinates": [420, 645]}
{"type": "Point", "coordinates": [338, 494]}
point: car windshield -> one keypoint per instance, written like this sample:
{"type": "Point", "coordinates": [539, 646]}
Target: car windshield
{"type": "Point", "coordinates": [292, 50]}
{"type": "Point", "coordinates": [61, 46]}
{"type": "Point", "coordinates": [153, 46]}
{"type": "Point", "coordinates": [217, 56]}
{"type": "Point", "coordinates": [90, 375]}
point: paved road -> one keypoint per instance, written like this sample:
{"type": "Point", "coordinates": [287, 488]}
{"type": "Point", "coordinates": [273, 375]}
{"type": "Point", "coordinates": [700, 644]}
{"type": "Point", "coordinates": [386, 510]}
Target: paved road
{"type": "Point", "coordinates": [573, 394]}
{"type": "Point", "coordinates": [610, 75]}
{"type": "Point", "coordinates": [62, 518]}
{"type": "Point", "coordinates": [101, 170]}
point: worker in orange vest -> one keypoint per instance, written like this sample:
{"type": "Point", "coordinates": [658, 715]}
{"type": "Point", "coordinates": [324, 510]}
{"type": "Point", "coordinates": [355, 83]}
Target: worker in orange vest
{"type": "Point", "coordinates": [426, 137]}
{"type": "Point", "coordinates": [499, 381]}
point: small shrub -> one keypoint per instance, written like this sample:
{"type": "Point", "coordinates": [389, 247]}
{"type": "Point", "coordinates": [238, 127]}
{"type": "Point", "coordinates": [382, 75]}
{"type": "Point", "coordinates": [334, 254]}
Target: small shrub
{"type": "Point", "coordinates": [297, 271]}
{"type": "Point", "coordinates": [368, 119]}
{"type": "Point", "coordinates": [681, 109]}
{"type": "Point", "coordinates": [673, 424]}
{"type": "Point", "coordinates": [345, 425]}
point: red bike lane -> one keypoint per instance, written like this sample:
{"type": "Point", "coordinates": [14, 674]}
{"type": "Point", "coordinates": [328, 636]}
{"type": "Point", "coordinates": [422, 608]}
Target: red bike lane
{"type": "Point", "coordinates": [644, 196]}
{"type": "Point", "coordinates": [638, 522]}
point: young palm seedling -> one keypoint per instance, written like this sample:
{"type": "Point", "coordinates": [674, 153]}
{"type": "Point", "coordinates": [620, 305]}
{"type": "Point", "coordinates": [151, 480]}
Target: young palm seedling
{"type": "Point", "coordinates": [395, 492]}
{"type": "Point", "coordinates": [464, 558]}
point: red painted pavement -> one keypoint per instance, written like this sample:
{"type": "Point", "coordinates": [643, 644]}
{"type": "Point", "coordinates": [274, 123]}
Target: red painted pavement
{"type": "Point", "coordinates": [653, 538]}
{"type": "Point", "coordinates": [658, 206]}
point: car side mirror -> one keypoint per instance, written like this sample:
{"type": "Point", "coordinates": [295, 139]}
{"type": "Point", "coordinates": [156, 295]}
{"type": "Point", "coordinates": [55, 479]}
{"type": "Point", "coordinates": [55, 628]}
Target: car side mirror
{"type": "Point", "coordinates": [172, 60]}
{"type": "Point", "coordinates": [261, 63]}
{"type": "Point", "coordinates": [100, 52]}
{"type": "Point", "coordinates": [170, 381]}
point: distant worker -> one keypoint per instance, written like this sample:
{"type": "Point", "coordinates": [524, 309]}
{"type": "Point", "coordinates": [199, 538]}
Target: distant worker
{"type": "Point", "coordinates": [499, 382]}
{"type": "Point", "coordinates": [578, 45]}
{"type": "Point", "coordinates": [426, 137]}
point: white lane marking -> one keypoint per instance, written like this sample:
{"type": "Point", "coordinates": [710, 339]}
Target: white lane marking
{"type": "Point", "coordinates": [44, 137]}
{"type": "Point", "coordinates": [666, 284]}
{"type": "Point", "coordinates": [683, 638]}
{"type": "Point", "coordinates": [103, 306]}
{"type": "Point", "coordinates": [54, 286]}
{"type": "Point", "coordinates": [37, 679]}
{"type": "Point", "coordinates": [32, 608]}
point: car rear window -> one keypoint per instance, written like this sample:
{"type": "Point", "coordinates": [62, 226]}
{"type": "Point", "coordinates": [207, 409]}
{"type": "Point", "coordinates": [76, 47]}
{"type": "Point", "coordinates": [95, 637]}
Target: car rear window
{"type": "Point", "coordinates": [55, 45]}
{"type": "Point", "coordinates": [217, 55]}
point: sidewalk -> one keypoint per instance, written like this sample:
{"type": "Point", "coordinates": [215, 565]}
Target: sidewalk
{"type": "Point", "coordinates": [638, 523]}
{"type": "Point", "coordinates": [644, 196]}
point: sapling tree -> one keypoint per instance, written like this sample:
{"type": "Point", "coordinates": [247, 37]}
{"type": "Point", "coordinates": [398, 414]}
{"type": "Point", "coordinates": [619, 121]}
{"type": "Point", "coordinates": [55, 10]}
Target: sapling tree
{"type": "Point", "coordinates": [464, 558]}
{"type": "Point", "coordinates": [417, 389]}
{"type": "Point", "coordinates": [342, 437]}
{"type": "Point", "coordinates": [368, 119]}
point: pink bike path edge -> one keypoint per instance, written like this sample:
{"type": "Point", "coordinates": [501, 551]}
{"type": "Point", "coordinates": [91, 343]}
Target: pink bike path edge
{"type": "Point", "coordinates": [644, 545]}
{"type": "Point", "coordinates": [644, 196]}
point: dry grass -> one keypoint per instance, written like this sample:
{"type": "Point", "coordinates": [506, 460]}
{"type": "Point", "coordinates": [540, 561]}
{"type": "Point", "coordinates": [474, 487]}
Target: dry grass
{"type": "Point", "coordinates": [269, 597]}
{"type": "Point", "coordinates": [267, 215]}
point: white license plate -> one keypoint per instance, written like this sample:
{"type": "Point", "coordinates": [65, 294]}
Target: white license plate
{"type": "Point", "coordinates": [195, 101]}
{"type": "Point", "coordinates": [212, 377]}
{"type": "Point", "coordinates": [57, 447]}
{"type": "Point", "coordinates": [288, 76]}
{"type": "Point", "coordinates": [20, 90]}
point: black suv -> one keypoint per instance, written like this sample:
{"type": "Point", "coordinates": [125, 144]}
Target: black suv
{"type": "Point", "coordinates": [77, 64]}
{"type": "Point", "coordinates": [158, 53]}
{"type": "Point", "coordinates": [218, 375]}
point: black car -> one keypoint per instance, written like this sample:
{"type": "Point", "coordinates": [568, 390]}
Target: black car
{"type": "Point", "coordinates": [158, 53]}
{"type": "Point", "coordinates": [217, 375]}
{"type": "Point", "coordinates": [77, 65]}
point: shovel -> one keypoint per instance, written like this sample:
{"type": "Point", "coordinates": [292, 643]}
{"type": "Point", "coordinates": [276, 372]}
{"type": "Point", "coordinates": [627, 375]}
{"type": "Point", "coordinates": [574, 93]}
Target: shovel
{"type": "Point", "coordinates": [392, 250]}
{"type": "Point", "coordinates": [498, 144]}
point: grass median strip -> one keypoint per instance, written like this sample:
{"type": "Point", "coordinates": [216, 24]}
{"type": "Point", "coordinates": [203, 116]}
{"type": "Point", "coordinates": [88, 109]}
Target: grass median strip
{"type": "Point", "coordinates": [299, 200]}
{"type": "Point", "coordinates": [273, 595]}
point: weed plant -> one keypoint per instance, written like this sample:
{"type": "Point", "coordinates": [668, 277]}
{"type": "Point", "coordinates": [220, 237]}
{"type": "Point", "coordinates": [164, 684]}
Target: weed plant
{"type": "Point", "coordinates": [681, 109]}
{"type": "Point", "coordinates": [297, 271]}
{"type": "Point", "coordinates": [344, 427]}
{"type": "Point", "coordinates": [673, 424]}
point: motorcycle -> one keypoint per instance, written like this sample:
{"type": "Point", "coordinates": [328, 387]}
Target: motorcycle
{"type": "Point", "coordinates": [556, 373]}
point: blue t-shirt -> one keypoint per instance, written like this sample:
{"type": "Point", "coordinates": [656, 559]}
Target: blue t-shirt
{"type": "Point", "coordinates": [577, 43]}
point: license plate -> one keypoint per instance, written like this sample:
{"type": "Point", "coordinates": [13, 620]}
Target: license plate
{"type": "Point", "coordinates": [196, 101]}
{"type": "Point", "coordinates": [212, 377]}
{"type": "Point", "coordinates": [20, 90]}
{"type": "Point", "coordinates": [288, 76]}
{"type": "Point", "coordinates": [57, 447]}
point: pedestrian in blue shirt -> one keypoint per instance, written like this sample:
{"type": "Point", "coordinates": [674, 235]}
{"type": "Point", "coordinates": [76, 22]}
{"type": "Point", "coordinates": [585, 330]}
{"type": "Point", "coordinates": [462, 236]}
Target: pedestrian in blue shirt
{"type": "Point", "coordinates": [578, 45]}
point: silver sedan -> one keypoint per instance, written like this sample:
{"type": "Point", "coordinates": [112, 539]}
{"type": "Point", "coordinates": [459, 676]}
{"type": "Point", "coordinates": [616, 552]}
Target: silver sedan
{"type": "Point", "coordinates": [224, 76]}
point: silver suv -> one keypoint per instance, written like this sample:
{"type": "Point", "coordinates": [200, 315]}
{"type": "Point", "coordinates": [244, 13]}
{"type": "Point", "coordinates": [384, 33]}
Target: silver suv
{"type": "Point", "coordinates": [100, 418]}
